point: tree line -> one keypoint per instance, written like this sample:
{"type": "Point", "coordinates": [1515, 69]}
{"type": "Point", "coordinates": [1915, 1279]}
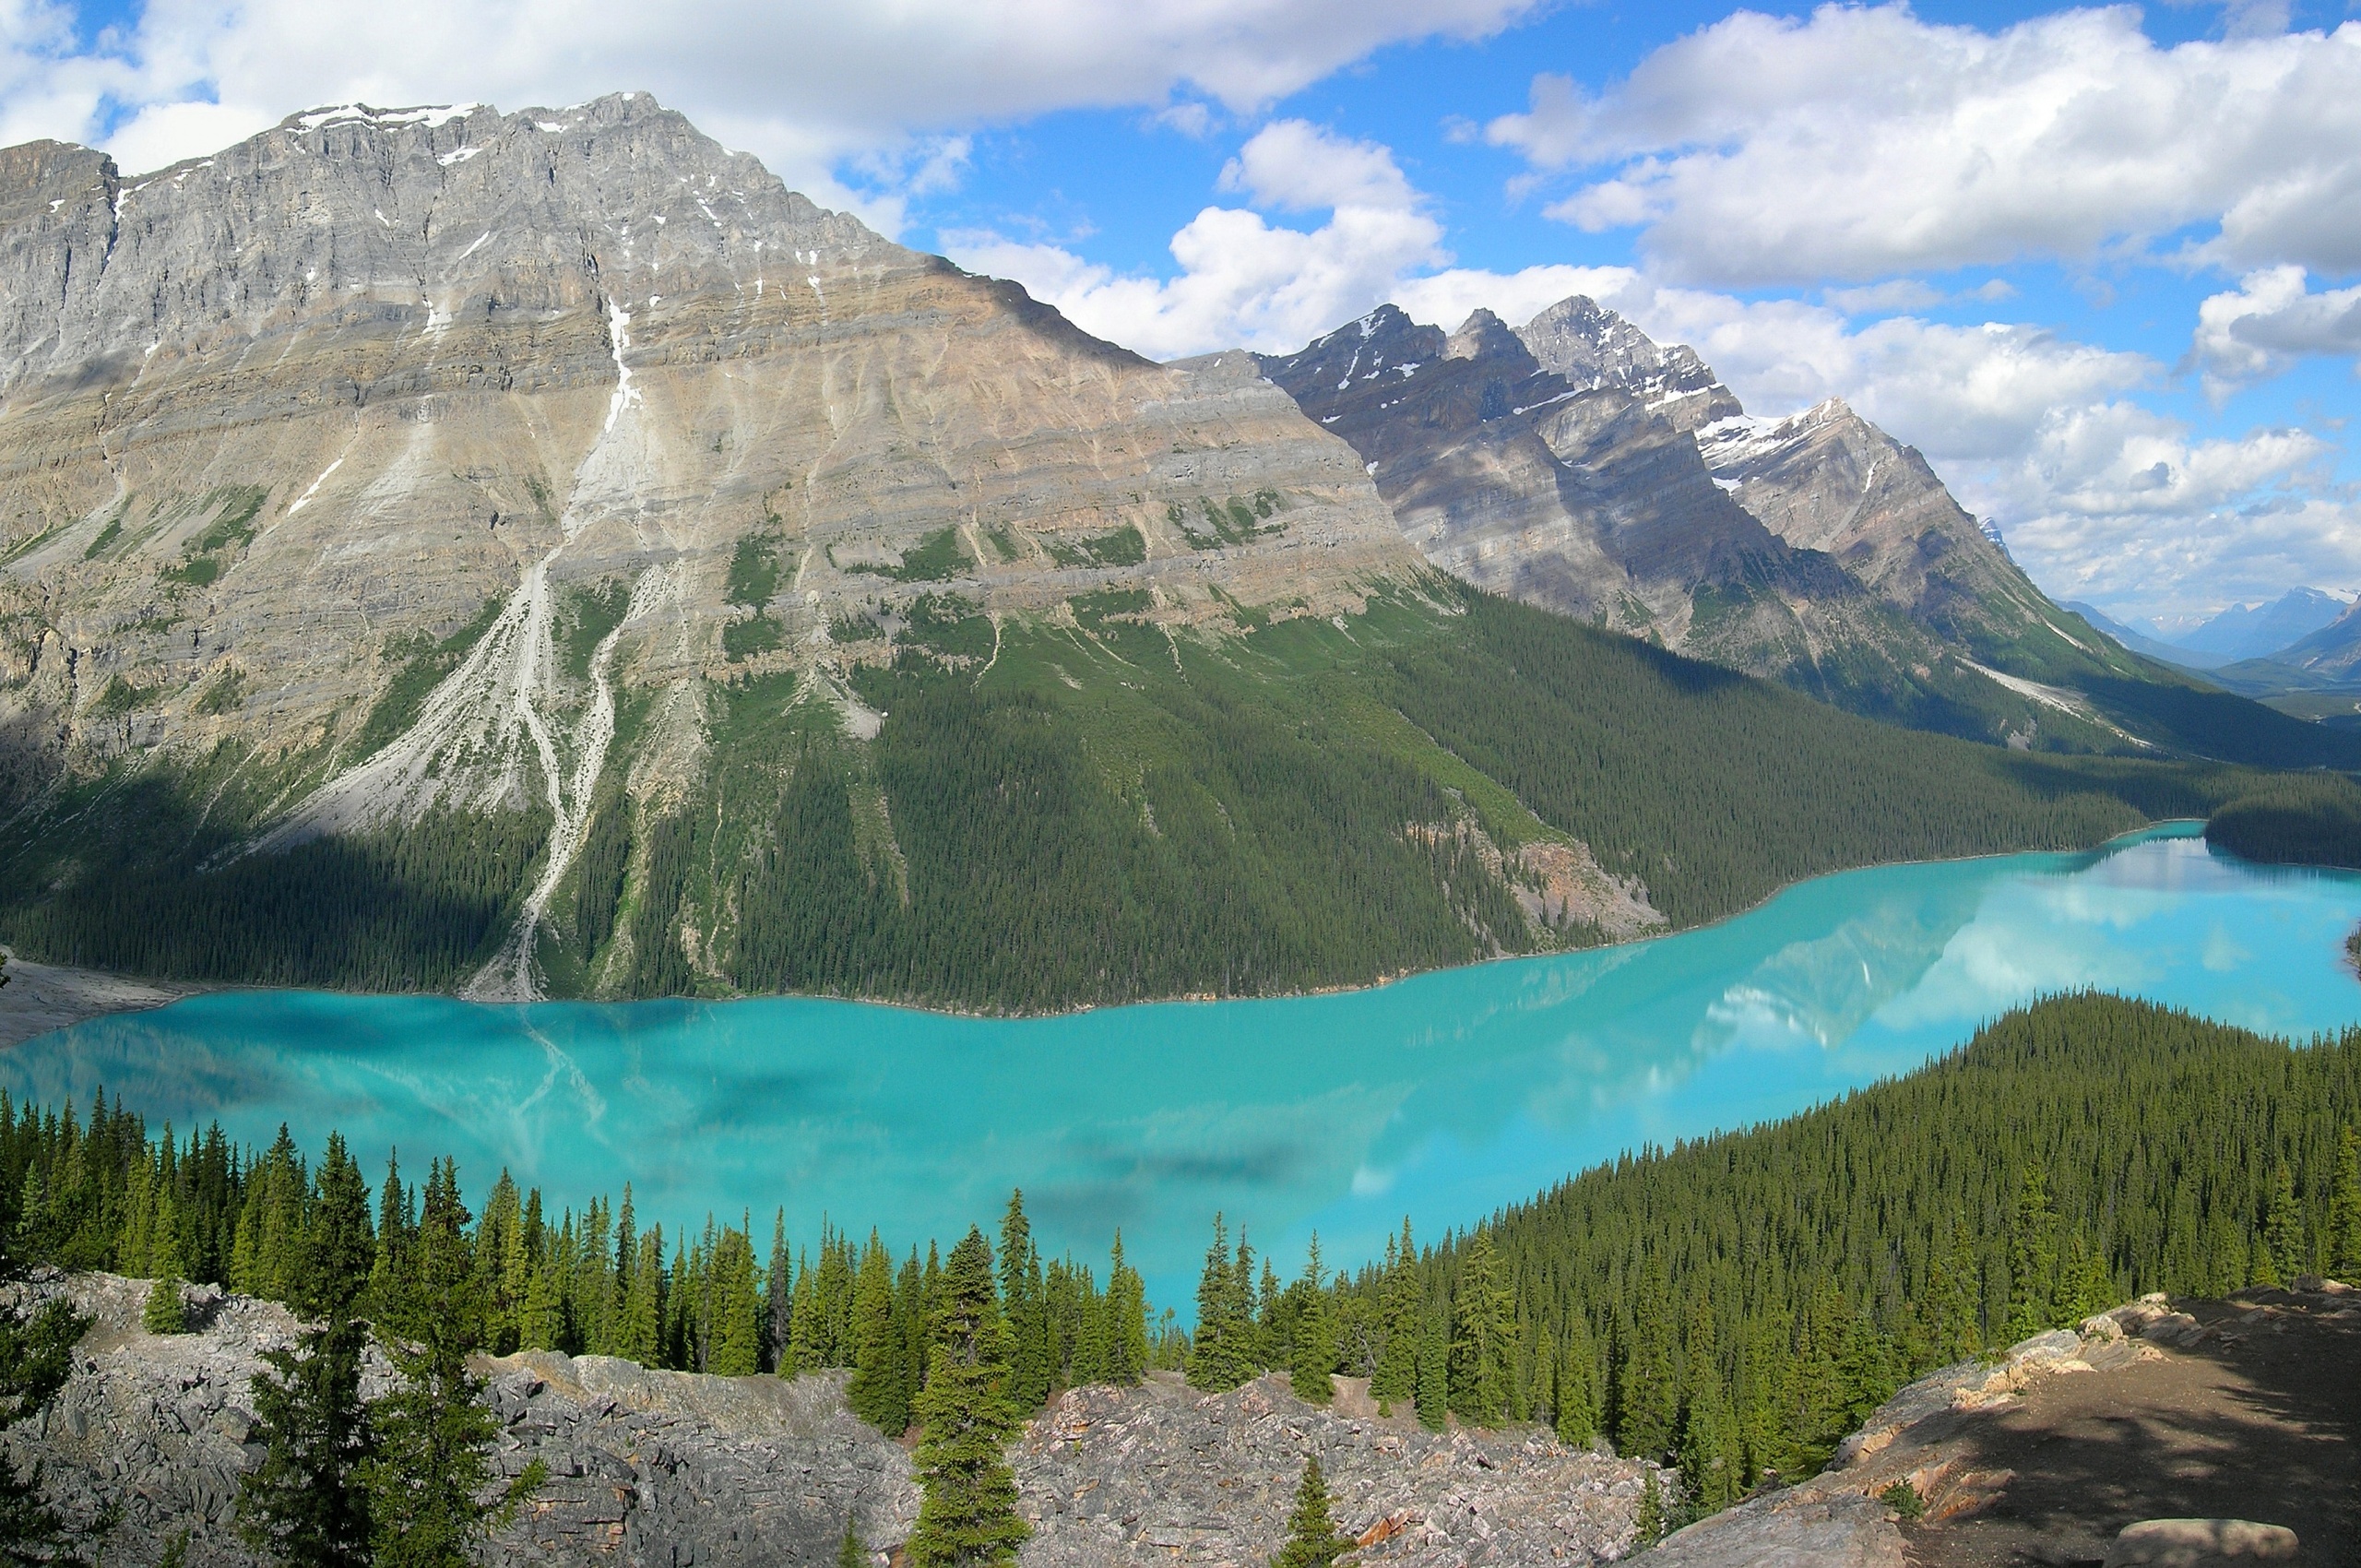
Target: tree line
{"type": "Point", "coordinates": [1105, 814]}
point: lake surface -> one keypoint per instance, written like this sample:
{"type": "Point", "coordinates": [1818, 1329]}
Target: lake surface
{"type": "Point", "coordinates": [1440, 1097]}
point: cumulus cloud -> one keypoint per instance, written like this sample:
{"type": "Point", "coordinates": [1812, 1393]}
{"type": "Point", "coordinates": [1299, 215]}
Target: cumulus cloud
{"type": "Point", "coordinates": [1244, 281]}
{"type": "Point", "coordinates": [805, 86]}
{"type": "Point", "coordinates": [1863, 142]}
{"type": "Point", "coordinates": [2116, 501]}
{"type": "Point", "coordinates": [2270, 320]}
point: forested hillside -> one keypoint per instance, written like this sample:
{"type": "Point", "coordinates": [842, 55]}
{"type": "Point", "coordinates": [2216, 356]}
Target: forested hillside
{"type": "Point", "coordinates": [1085, 808]}
{"type": "Point", "coordinates": [1742, 1301]}
{"type": "Point", "coordinates": [1737, 1303]}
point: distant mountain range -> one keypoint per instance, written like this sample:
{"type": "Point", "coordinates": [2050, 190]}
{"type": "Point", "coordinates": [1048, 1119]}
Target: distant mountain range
{"type": "Point", "coordinates": [2262, 630]}
{"type": "Point", "coordinates": [540, 554]}
{"type": "Point", "coordinates": [2304, 641]}
{"type": "Point", "coordinates": [1575, 463]}
{"type": "Point", "coordinates": [2146, 643]}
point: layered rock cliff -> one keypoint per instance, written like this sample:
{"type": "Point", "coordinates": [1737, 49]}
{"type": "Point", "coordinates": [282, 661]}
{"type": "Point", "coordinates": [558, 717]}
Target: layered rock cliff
{"type": "Point", "coordinates": [266, 415]}
{"type": "Point", "coordinates": [1577, 464]}
{"type": "Point", "coordinates": [402, 455]}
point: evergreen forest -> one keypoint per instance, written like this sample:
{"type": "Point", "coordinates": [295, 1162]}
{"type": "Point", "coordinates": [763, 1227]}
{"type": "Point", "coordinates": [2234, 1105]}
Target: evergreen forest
{"type": "Point", "coordinates": [1053, 815]}
{"type": "Point", "coordinates": [1731, 1306]}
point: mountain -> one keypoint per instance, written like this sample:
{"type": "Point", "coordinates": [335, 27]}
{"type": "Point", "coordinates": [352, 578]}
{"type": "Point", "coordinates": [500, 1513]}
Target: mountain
{"type": "Point", "coordinates": [2328, 655]}
{"type": "Point", "coordinates": [2145, 644]}
{"type": "Point", "coordinates": [2259, 631]}
{"type": "Point", "coordinates": [1574, 464]}
{"type": "Point", "coordinates": [539, 553]}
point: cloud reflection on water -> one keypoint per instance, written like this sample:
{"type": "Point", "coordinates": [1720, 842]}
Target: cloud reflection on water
{"type": "Point", "coordinates": [1443, 1097]}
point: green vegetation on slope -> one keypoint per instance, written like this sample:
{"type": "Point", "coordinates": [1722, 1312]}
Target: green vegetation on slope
{"type": "Point", "coordinates": [1056, 814]}
{"type": "Point", "coordinates": [1741, 1302]}
{"type": "Point", "coordinates": [145, 870]}
{"type": "Point", "coordinates": [2312, 819]}
{"type": "Point", "coordinates": [422, 661]}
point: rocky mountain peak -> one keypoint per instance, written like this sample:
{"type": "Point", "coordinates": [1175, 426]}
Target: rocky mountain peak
{"type": "Point", "coordinates": [1484, 336]}
{"type": "Point", "coordinates": [318, 445]}
{"type": "Point", "coordinates": [1592, 346]}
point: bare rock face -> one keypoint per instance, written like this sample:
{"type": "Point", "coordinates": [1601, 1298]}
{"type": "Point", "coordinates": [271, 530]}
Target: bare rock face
{"type": "Point", "coordinates": [267, 414]}
{"type": "Point", "coordinates": [644, 1467]}
{"type": "Point", "coordinates": [1555, 465]}
{"type": "Point", "coordinates": [1577, 464]}
{"type": "Point", "coordinates": [1160, 1474]}
{"type": "Point", "coordinates": [1592, 347]}
{"type": "Point", "coordinates": [1828, 479]}
{"type": "Point", "coordinates": [659, 1467]}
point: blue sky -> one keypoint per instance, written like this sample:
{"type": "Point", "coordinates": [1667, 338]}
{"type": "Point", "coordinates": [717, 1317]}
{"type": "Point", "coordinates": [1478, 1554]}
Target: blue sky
{"type": "Point", "coordinates": [2099, 264]}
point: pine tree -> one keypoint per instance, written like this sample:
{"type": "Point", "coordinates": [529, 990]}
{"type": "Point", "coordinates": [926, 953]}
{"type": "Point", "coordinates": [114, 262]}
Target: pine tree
{"type": "Point", "coordinates": [1314, 1351]}
{"type": "Point", "coordinates": [306, 1504]}
{"type": "Point", "coordinates": [1396, 1373]}
{"type": "Point", "coordinates": [1710, 1459]}
{"type": "Point", "coordinates": [1433, 1387]}
{"type": "Point", "coordinates": [850, 1553]}
{"type": "Point", "coordinates": [429, 1470]}
{"type": "Point", "coordinates": [1126, 1313]}
{"type": "Point", "coordinates": [2283, 1228]}
{"type": "Point", "coordinates": [778, 1282]}
{"type": "Point", "coordinates": [1574, 1403]}
{"type": "Point", "coordinates": [1026, 1313]}
{"type": "Point", "coordinates": [642, 1330]}
{"type": "Point", "coordinates": [1647, 1400]}
{"type": "Point", "coordinates": [338, 1250]}
{"type": "Point", "coordinates": [1953, 1332]}
{"type": "Point", "coordinates": [2088, 1287]}
{"type": "Point", "coordinates": [737, 1311]}
{"type": "Point", "coordinates": [1483, 1342]}
{"type": "Point", "coordinates": [2344, 1210]}
{"type": "Point", "coordinates": [36, 1356]}
{"type": "Point", "coordinates": [2033, 1257]}
{"type": "Point", "coordinates": [1218, 1355]}
{"type": "Point", "coordinates": [967, 1508]}
{"type": "Point", "coordinates": [880, 1391]}
{"type": "Point", "coordinates": [167, 1310]}
{"type": "Point", "coordinates": [1313, 1540]}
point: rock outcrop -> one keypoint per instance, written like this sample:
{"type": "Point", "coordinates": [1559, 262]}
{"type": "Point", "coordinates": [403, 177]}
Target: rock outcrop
{"type": "Point", "coordinates": [648, 1468]}
{"type": "Point", "coordinates": [1930, 1440]}
{"type": "Point", "coordinates": [1160, 1474]}
{"type": "Point", "coordinates": [1577, 464]}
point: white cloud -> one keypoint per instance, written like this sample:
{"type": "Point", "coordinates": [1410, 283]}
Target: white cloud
{"type": "Point", "coordinates": [1861, 143]}
{"type": "Point", "coordinates": [2270, 320]}
{"type": "Point", "coordinates": [803, 85]}
{"type": "Point", "coordinates": [1448, 298]}
{"type": "Point", "coordinates": [2117, 501]}
{"type": "Point", "coordinates": [1242, 280]}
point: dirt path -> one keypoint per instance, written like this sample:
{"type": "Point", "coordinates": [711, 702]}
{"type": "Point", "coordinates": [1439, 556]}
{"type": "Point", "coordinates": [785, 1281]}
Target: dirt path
{"type": "Point", "coordinates": [2259, 1418]}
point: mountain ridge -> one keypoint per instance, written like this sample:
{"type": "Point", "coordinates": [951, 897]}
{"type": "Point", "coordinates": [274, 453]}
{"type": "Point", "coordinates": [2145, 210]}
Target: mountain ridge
{"type": "Point", "coordinates": [541, 554]}
{"type": "Point", "coordinates": [1575, 463]}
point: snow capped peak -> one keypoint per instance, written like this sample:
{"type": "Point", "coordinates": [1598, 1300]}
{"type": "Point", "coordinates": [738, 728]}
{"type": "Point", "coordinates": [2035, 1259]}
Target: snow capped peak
{"type": "Point", "coordinates": [429, 115]}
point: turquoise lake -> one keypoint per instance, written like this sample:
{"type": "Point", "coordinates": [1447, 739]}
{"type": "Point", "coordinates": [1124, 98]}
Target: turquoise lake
{"type": "Point", "coordinates": [1441, 1096]}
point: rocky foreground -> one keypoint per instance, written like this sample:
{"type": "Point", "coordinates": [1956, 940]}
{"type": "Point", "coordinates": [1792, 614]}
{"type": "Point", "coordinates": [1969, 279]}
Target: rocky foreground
{"type": "Point", "coordinates": [673, 1469]}
{"type": "Point", "coordinates": [2030, 1457]}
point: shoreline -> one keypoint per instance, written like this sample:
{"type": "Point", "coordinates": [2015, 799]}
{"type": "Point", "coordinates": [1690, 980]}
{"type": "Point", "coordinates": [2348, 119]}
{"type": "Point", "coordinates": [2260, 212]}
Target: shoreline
{"type": "Point", "coordinates": [67, 996]}
{"type": "Point", "coordinates": [39, 998]}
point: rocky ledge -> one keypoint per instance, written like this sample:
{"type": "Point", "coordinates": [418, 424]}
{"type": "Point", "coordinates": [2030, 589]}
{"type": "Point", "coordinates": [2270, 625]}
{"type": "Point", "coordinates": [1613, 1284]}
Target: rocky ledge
{"type": "Point", "coordinates": [1162, 1474]}
{"type": "Point", "coordinates": [1933, 1436]}
{"type": "Point", "coordinates": [648, 1468]}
